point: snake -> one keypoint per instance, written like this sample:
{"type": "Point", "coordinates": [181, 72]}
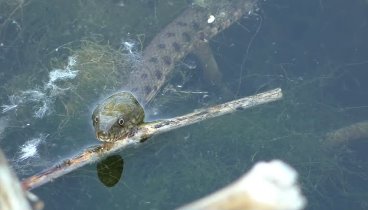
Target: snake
{"type": "Point", "coordinates": [120, 114]}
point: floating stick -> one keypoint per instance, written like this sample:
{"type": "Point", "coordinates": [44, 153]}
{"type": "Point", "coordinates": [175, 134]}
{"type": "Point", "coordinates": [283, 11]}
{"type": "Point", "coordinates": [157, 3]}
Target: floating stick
{"type": "Point", "coordinates": [145, 131]}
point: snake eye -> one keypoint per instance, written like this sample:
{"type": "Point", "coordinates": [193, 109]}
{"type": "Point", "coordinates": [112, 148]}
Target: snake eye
{"type": "Point", "coordinates": [95, 119]}
{"type": "Point", "coordinates": [121, 121]}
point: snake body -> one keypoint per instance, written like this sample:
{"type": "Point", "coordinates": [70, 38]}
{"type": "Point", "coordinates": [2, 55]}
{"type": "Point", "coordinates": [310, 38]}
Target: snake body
{"type": "Point", "coordinates": [175, 41]}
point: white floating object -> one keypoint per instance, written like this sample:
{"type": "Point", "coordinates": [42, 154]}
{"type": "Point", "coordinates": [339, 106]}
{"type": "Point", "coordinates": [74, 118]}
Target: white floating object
{"type": "Point", "coordinates": [211, 19]}
{"type": "Point", "coordinates": [267, 186]}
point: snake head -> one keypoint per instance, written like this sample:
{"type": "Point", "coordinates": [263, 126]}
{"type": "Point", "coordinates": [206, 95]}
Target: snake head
{"type": "Point", "coordinates": [116, 117]}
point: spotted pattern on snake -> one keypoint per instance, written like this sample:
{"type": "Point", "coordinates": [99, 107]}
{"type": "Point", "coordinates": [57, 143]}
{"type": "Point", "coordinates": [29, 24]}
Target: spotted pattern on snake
{"type": "Point", "coordinates": [119, 115]}
{"type": "Point", "coordinates": [178, 39]}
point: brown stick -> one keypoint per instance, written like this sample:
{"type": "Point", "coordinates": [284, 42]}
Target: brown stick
{"type": "Point", "coordinates": [146, 130]}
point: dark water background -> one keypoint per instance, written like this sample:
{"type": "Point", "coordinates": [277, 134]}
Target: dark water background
{"type": "Point", "coordinates": [316, 50]}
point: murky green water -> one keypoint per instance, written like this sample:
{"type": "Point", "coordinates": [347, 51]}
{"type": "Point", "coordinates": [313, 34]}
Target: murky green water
{"type": "Point", "coordinates": [315, 50]}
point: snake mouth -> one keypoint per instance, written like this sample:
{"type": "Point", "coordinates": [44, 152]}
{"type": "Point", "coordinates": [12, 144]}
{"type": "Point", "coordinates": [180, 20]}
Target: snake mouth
{"type": "Point", "coordinates": [106, 137]}
{"type": "Point", "coordinates": [109, 136]}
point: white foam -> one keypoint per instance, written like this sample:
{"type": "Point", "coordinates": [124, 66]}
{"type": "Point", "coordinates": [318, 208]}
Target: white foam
{"type": "Point", "coordinates": [42, 98]}
{"type": "Point", "coordinates": [30, 148]}
{"type": "Point", "coordinates": [14, 102]}
{"type": "Point", "coordinates": [131, 49]}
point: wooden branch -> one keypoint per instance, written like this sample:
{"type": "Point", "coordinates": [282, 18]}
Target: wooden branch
{"type": "Point", "coordinates": [267, 186]}
{"type": "Point", "coordinates": [145, 131]}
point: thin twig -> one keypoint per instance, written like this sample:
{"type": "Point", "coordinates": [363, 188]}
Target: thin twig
{"type": "Point", "coordinates": [145, 131]}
